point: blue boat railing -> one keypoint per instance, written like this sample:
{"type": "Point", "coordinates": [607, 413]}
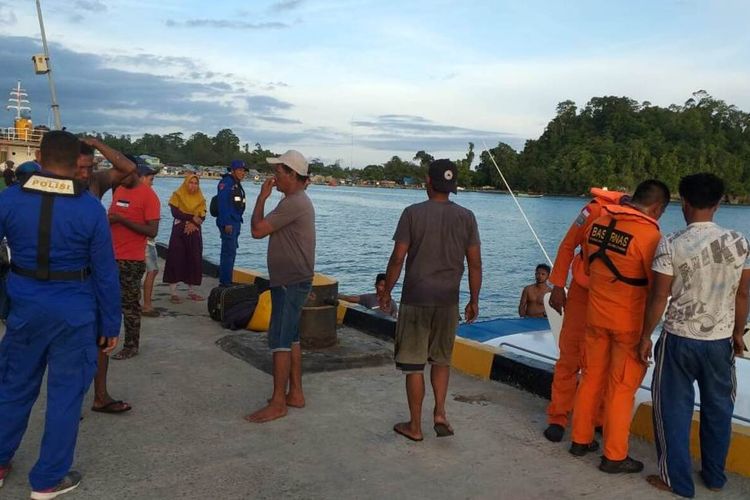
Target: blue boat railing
{"type": "Point", "coordinates": [645, 387]}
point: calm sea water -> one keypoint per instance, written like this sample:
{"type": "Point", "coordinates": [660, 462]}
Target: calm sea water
{"type": "Point", "coordinates": [355, 226]}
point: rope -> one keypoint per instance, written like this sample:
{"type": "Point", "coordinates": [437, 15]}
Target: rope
{"type": "Point", "coordinates": [538, 241]}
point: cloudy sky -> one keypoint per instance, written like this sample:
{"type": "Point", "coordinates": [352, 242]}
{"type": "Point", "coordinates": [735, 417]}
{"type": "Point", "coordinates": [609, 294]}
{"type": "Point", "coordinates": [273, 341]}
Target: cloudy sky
{"type": "Point", "coordinates": [362, 80]}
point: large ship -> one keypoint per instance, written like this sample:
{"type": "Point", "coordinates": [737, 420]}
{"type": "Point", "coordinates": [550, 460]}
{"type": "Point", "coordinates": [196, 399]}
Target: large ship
{"type": "Point", "coordinates": [19, 142]}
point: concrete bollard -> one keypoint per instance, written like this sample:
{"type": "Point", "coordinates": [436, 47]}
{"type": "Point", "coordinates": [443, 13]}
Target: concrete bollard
{"type": "Point", "coordinates": [317, 326]}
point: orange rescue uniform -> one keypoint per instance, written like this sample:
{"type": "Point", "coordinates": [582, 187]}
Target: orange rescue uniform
{"type": "Point", "coordinates": [614, 320]}
{"type": "Point", "coordinates": [572, 334]}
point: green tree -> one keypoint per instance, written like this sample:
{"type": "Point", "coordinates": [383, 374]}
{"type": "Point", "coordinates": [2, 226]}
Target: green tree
{"type": "Point", "coordinates": [463, 166]}
{"type": "Point", "coordinates": [199, 148]}
{"type": "Point", "coordinates": [226, 145]}
{"type": "Point", "coordinates": [373, 173]}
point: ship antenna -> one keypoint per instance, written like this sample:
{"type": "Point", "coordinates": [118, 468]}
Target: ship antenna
{"type": "Point", "coordinates": [17, 100]}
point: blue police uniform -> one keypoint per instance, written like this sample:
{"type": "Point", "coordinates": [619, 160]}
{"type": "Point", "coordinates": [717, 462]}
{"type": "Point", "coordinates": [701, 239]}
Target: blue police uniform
{"type": "Point", "coordinates": [63, 289]}
{"type": "Point", "coordinates": [231, 200]}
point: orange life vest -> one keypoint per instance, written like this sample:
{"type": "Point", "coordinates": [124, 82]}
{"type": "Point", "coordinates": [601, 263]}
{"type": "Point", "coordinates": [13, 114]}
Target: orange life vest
{"type": "Point", "coordinates": [618, 252]}
{"type": "Point", "coordinates": [575, 238]}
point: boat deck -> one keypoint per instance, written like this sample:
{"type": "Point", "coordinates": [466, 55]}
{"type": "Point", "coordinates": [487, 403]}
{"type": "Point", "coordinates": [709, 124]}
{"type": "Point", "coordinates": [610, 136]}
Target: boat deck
{"type": "Point", "coordinates": [532, 337]}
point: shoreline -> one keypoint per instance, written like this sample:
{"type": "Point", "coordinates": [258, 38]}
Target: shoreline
{"type": "Point", "coordinates": [465, 190]}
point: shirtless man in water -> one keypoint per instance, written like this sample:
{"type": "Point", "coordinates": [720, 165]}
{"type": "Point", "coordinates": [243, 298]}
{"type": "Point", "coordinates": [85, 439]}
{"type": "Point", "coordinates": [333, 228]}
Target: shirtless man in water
{"type": "Point", "coordinates": [532, 298]}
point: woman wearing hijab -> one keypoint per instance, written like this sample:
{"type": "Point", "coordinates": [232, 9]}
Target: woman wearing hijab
{"type": "Point", "coordinates": [185, 253]}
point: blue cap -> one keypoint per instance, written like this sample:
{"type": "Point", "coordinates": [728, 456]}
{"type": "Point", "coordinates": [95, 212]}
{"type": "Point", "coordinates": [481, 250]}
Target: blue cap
{"type": "Point", "coordinates": [28, 167]}
{"type": "Point", "coordinates": [145, 169]}
{"type": "Point", "coordinates": [237, 164]}
{"type": "Point", "coordinates": [141, 166]}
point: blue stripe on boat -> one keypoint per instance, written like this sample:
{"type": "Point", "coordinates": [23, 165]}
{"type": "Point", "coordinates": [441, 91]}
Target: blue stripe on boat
{"type": "Point", "coordinates": [482, 331]}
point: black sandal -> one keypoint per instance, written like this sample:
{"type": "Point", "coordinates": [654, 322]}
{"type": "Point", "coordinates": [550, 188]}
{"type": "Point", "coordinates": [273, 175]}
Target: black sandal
{"type": "Point", "coordinates": [112, 407]}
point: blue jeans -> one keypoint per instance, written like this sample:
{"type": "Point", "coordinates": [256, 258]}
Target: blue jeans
{"type": "Point", "coordinates": [286, 309]}
{"type": "Point", "coordinates": [229, 244]}
{"type": "Point", "coordinates": [679, 362]}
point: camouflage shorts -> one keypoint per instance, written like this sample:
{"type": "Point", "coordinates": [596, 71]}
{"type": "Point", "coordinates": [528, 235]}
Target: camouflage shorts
{"type": "Point", "coordinates": [131, 273]}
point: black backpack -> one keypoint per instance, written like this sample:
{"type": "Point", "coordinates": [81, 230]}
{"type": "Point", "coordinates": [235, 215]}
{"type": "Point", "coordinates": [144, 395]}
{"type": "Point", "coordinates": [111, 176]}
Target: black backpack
{"type": "Point", "coordinates": [238, 316]}
{"type": "Point", "coordinates": [223, 298]}
{"type": "Point", "coordinates": [213, 206]}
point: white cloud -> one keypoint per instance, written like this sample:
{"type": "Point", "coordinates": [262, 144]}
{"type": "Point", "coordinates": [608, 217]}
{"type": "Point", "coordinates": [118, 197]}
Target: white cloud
{"type": "Point", "coordinates": [7, 15]}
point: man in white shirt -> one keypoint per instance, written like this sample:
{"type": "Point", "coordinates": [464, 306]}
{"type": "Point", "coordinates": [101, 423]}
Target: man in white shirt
{"type": "Point", "coordinates": [706, 270]}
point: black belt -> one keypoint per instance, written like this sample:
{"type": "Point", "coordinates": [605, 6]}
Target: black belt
{"type": "Point", "coordinates": [80, 275]}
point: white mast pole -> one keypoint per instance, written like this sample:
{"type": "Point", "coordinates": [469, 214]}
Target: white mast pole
{"type": "Point", "coordinates": [55, 106]}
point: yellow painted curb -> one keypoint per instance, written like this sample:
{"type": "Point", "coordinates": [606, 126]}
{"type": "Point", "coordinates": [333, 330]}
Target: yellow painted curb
{"type": "Point", "coordinates": [341, 311]}
{"type": "Point", "coordinates": [240, 275]}
{"type": "Point", "coordinates": [472, 358]}
{"type": "Point", "coordinates": [323, 279]}
{"type": "Point", "coordinates": [739, 449]}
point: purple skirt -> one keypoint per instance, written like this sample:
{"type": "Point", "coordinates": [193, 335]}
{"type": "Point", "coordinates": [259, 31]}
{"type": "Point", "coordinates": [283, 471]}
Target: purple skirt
{"type": "Point", "coordinates": [184, 256]}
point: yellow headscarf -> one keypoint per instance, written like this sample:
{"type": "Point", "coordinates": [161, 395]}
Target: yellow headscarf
{"type": "Point", "coordinates": [193, 204]}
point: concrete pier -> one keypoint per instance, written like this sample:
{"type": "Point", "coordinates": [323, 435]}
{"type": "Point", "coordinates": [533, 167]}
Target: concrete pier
{"type": "Point", "coordinates": [185, 437]}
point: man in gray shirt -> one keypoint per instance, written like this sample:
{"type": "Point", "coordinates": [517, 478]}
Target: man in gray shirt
{"type": "Point", "coordinates": [433, 237]}
{"type": "Point", "coordinates": [291, 259]}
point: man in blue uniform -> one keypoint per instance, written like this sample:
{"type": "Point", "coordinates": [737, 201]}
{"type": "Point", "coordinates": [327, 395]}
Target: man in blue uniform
{"type": "Point", "coordinates": [231, 202]}
{"type": "Point", "coordinates": [63, 272]}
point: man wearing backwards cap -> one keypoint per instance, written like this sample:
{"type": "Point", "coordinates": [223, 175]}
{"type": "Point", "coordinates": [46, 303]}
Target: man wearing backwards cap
{"type": "Point", "coordinates": [434, 237]}
{"type": "Point", "coordinates": [231, 198]}
{"type": "Point", "coordinates": [291, 258]}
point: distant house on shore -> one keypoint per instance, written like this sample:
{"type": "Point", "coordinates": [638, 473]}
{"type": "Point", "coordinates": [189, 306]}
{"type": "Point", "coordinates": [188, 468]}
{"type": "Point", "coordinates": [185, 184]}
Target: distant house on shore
{"type": "Point", "coordinates": [151, 160]}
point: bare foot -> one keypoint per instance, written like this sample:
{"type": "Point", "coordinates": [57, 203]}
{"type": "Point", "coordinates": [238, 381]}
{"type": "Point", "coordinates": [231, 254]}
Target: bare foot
{"type": "Point", "coordinates": [404, 428]}
{"type": "Point", "coordinates": [267, 413]}
{"type": "Point", "coordinates": [657, 483]}
{"type": "Point", "coordinates": [294, 402]}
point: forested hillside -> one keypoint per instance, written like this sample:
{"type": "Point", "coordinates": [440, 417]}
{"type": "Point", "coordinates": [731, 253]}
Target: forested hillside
{"type": "Point", "coordinates": [611, 141]}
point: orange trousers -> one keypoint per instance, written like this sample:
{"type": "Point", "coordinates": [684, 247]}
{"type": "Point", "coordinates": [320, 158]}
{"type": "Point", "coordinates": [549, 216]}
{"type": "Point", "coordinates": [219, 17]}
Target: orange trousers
{"type": "Point", "coordinates": [610, 367]}
{"type": "Point", "coordinates": [572, 345]}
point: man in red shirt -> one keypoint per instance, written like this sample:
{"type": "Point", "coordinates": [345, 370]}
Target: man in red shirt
{"type": "Point", "coordinates": [133, 216]}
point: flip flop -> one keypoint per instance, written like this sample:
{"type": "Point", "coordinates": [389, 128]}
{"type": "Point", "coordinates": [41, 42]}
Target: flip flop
{"type": "Point", "coordinates": [195, 297]}
{"type": "Point", "coordinates": [153, 313]}
{"type": "Point", "coordinates": [657, 483]}
{"type": "Point", "coordinates": [398, 430]}
{"type": "Point", "coordinates": [442, 430]}
{"type": "Point", "coordinates": [125, 353]}
{"type": "Point", "coordinates": [111, 407]}
{"type": "Point", "coordinates": [174, 299]}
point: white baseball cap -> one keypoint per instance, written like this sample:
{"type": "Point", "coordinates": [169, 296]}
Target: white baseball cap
{"type": "Point", "coordinates": [292, 159]}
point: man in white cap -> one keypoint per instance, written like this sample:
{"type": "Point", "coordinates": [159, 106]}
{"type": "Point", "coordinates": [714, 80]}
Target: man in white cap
{"type": "Point", "coordinates": [291, 258]}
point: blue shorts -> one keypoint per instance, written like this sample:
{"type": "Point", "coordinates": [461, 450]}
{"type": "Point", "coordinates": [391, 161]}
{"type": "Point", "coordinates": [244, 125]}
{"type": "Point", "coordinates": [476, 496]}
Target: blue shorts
{"type": "Point", "coordinates": [286, 309]}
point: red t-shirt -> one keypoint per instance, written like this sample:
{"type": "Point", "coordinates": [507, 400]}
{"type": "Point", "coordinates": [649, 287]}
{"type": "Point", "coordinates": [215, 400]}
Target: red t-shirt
{"type": "Point", "coordinates": [139, 205]}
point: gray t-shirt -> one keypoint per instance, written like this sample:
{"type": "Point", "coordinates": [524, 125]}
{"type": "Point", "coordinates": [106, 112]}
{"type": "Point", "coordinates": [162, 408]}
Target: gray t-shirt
{"type": "Point", "coordinates": [438, 235]}
{"type": "Point", "coordinates": [291, 246]}
{"type": "Point", "coordinates": [370, 301]}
